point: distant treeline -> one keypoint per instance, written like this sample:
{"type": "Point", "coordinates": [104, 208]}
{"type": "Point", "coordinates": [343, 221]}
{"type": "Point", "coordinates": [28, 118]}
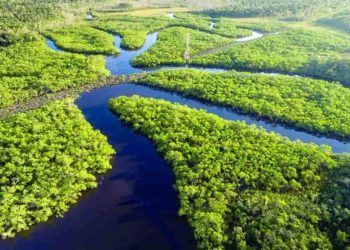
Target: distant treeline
{"type": "Point", "coordinates": [295, 9]}
{"type": "Point", "coordinates": [340, 21]}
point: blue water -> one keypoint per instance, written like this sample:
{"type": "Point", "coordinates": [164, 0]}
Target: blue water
{"type": "Point", "coordinates": [120, 65]}
{"type": "Point", "coordinates": [102, 95]}
{"type": "Point", "coordinates": [51, 44]}
{"type": "Point", "coordinates": [135, 205]}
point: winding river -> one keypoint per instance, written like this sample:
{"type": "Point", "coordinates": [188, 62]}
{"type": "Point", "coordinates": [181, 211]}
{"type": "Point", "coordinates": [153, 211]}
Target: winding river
{"type": "Point", "coordinates": [135, 205]}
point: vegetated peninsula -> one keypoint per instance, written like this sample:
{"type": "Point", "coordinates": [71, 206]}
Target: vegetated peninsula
{"type": "Point", "coordinates": [240, 186]}
{"type": "Point", "coordinates": [314, 105]}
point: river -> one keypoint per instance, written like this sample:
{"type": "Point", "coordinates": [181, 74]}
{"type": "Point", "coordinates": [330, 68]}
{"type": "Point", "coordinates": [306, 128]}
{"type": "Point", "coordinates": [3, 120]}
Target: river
{"type": "Point", "coordinates": [135, 205]}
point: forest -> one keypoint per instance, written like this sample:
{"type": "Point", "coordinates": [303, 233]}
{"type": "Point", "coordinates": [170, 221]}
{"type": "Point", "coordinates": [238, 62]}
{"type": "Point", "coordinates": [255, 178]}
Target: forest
{"type": "Point", "coordinates": [171, 47]}
{"type": "Point", "coordinates": [267, 27]}
{"type": "Point", "coordinates": [221, 26]}
{"type": "Point", "coordinates": [133, 30]}
{"type": "Point", "coordinates": [304, 103]}
{"type": "Point", "coordinates": [48, 157]}
{"type": "Point", "coordinates": [30, 69]}
{"type": "Point", "coordinates": [83, 39]}
{"type": "Point", "coordinates": [309, 53]}
{"type": "Point", "coordinates": [339, 21]}
{"type": "Point", "coordinates": [285, 9]}
{"type": "Point", "coordinates": [22, 15]}
{"type": "Point", "coordinates": [240, 186]}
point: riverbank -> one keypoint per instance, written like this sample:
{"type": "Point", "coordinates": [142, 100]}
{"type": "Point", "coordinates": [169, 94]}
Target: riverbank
{"type": "Point", "coordinates": [39, 101]}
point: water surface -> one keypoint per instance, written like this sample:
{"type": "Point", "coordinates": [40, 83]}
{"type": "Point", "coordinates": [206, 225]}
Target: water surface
{"type": "Point", "coordinates": [255, 35]}
{"type": "Point", "coordinates": [51, 44]}
{"type": "Point", "coordinates": [135, 205]}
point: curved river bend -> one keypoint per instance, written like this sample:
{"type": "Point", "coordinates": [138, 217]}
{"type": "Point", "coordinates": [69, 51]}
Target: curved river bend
{"type": "Point", "coordinates": [135, 205]}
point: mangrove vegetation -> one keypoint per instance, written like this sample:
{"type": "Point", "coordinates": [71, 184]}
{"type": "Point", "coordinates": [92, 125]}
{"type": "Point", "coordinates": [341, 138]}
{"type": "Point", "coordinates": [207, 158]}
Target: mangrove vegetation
{"type": "Point", "coordinates": [30, 69]}
{"type": "Point", "coordinates": [303, 52]}
{"type": "Point", "coordinates": [314, 105]}
{"type": "Point", "coordinates": [83, 39]}
{"type": "Point", "coordinates": [241, 187]}
{"type": "Point", "coordinates": [47, 158]}
{"type": "Point", "coordinates": [170, 47]}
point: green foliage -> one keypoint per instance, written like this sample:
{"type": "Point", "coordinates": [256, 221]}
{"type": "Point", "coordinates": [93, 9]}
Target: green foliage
{"type": "Point", "coordinates": [336, 197]}
{"type": "Point", "coordinates": [171, 46]}
{"type": "Point", "coordinates": [271, 26]}
{"type": "Point", "coordinates": [305, 103]}
{"type": "Point", "coordinates": [298, 9]}
{"type": "Point", "coordinates": [227, 28]}
{"type": "Point", "coordinates": [133, 34]}
{"type": "Point", "coordinates": [329, 67]}
{"type": "Point", "coordinates": [293, 51]}
{"type": "Point", "coordinates": [47, 158]}
{"type": "Point", "coordinates": [83, 39]}
{"type": "Point", "coordinates": [340, 21]}
{"type": "Point", "coordinates": [223, 27]}
{"type": "Point", "coordinates": [133, 30]}
{"type": "Point", "coordinates": [192, 21]}
{"type": "Point", "coordinates": [124, 6]}
{"type": "Point", "coordinates": [19, 18]}
{"type": "Point", "coordinates": [239, 186]}
{"type": "Point", "coordinates": [277, 221]}
{"type": "Point", "coordinates": [31, 69]}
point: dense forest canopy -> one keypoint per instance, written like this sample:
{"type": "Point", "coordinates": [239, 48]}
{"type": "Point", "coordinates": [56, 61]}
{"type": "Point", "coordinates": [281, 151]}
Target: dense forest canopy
{"type": "Point", "coordinates": [170, 47]}
{"type": "Point", "coordinates": [31, 69]}
{"type": "Point", "coordinates": [340, 21]}
{"type": "Point", "coordinates": [304, 103]}
{"type": "Point", "coordinates": [47, 158]}
{"type": "Point", "coordinates": [298, 9]}
{"type": "Point", "coordinates": [21, 20]}
{"type": "Point", "coordinates": [311, 53]}
{"type": "Point", "coordinates": [241, 187]}
{"type": "Point", "coordinates": [83, 39]}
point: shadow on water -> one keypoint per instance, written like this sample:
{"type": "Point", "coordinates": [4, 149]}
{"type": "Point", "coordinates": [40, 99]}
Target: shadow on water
{"type": "Point", "coordinates": [135, 205]}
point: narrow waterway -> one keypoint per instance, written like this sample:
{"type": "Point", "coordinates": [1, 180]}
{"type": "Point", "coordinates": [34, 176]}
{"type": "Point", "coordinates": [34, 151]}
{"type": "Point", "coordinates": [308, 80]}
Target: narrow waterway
{"type": "Point", "coordinates": [255, 35]}
{"type": "Point", "coordinates": [51, 44]}
{"type": "Point", "coordinates": [135, 206]}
